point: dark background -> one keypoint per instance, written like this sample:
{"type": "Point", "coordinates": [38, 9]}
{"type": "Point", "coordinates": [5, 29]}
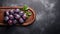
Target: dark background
{"type": "Point", "coordinates": [47, 17]}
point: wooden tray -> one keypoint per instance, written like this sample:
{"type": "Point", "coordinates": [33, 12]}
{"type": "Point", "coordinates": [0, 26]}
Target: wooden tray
{"type": "Point", "coordinates": [29, 21]}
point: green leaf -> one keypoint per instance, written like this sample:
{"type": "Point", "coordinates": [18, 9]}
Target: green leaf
{"type": "Point", "coordinates": [28, 13]}
{"type": "Point", "coordinates": [25, 7]}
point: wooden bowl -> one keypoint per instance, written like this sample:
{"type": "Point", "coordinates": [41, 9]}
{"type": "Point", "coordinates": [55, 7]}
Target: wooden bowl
{"type": "Point", "coordinates": [29, 21]}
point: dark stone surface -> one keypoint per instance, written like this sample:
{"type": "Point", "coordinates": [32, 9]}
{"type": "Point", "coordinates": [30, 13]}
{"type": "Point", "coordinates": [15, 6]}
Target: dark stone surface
{"type": "Point", "coordinates": [47, 17]}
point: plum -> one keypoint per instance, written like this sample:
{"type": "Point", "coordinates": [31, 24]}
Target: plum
{"type": "Point", "coordinates": [21, 13]}
{"type": "Point", "coordinates": [6, 18]}
{"type": "Point", "coordinates": [12, 11]}
{"type": "Point", "coordinates": [24, 16]}
{"type": "Point", "coordinates": [17, 10]}
{"type": "Point", "coordinates": [17, 16]}
{"type": "Point", "coordinates": [21, 20]}
{"type": "Point", "coordinates": [11, 16]}
{"type": "Point", "coordinates": [7, 12]}
{"type": "Point", "coordinates": [10, 22]}
{"type": "Point", "coordinates": [15, 21]}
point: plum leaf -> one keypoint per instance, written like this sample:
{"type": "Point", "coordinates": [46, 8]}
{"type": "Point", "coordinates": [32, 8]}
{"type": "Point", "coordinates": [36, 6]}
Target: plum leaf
{"type": "Point", "coordinates": [25, 7]}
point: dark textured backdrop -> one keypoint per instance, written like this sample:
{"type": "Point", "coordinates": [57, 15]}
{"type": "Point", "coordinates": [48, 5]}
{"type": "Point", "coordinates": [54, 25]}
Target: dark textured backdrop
{"type": "Point", "coordinates": [47, 17]}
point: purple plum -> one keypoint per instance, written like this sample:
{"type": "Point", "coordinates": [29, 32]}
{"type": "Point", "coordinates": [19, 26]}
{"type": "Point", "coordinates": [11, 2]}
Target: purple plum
{"type": "Point", "coordinates": [12, 11]}
{"type": "Point", "coordinates": [21, 20]}
{"type": "Point", "coordinates": [24, 16]}
{"type": "Point", "coordinates": [17, 10]}
{"type": "Point", "coordinates": [10, 22]}
{"type": "Point", "coordinates": [17, 16]}
{"type": "Point", "coordinates": [7, 12]}
{"type": "Point", "coordinates": [6, 18]}
{"type": "Point", "coordinates": [14, 21]}
{"type": "Point", "coordinates": [11, 16]}
{"type": "Point", "coordinates": [21, 13]}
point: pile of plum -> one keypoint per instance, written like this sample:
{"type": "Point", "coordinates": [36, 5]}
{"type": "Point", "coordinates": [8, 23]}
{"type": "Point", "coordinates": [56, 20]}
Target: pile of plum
{"type": "Point", "coordinates": [14, 16]}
